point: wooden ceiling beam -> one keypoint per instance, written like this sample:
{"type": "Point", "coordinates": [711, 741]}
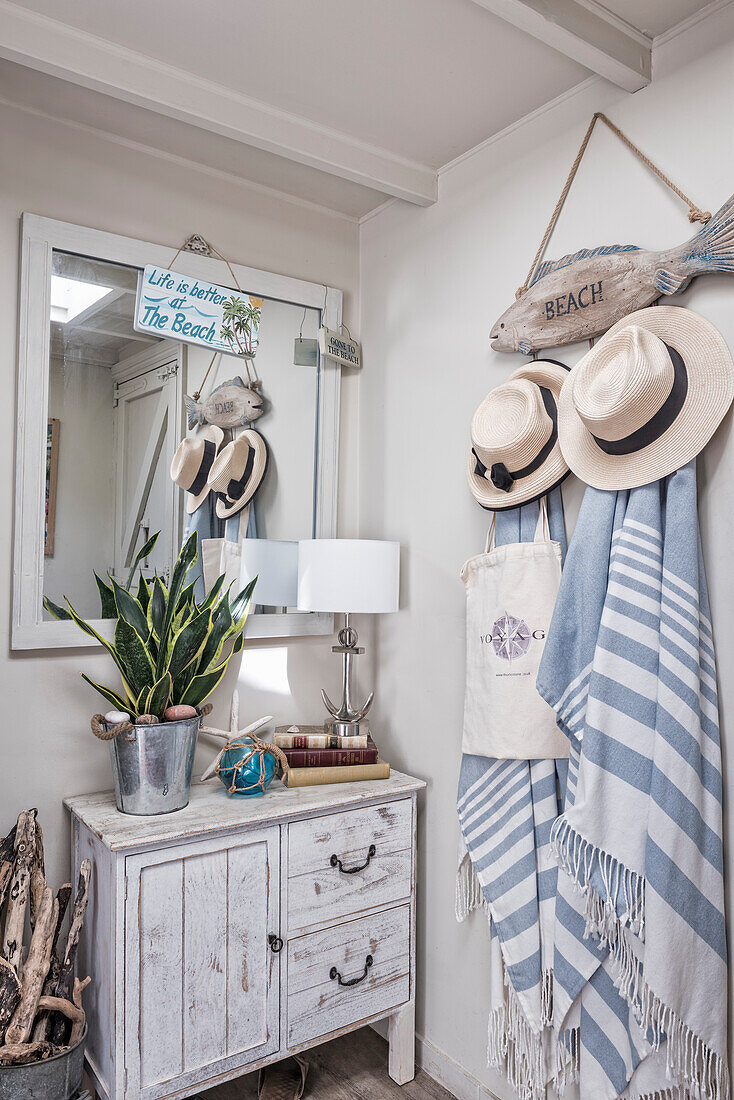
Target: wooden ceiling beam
{"type": "Point", "coordinates": [586, 32]}
{"type": "Point", "coordinates": [47, 45]}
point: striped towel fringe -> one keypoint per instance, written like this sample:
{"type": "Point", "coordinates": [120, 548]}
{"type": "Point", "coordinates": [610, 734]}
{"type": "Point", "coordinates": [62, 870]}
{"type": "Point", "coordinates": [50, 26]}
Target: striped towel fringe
{"type": "Point", "coordinates": [518, 1052]}
{"type": "Point", "coordinates": [469, 894]}
{"type": "Point", "coordinates": [568, 1060]}
{"type": "Point", "coordinates": [623, 900]}
{"type": "Point", "coordinates": [674, 1093]}
{"type": "Point", "coordinates": [515, 1049]}
{"type": "Point", "coordinates": [688, 1058]}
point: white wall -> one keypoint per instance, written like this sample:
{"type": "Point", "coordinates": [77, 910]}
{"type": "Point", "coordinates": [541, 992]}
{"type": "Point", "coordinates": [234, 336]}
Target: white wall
{"type": "Point", "coordinates": [433, 282]}
{"type": "Point", "coordinates": [68, 173]}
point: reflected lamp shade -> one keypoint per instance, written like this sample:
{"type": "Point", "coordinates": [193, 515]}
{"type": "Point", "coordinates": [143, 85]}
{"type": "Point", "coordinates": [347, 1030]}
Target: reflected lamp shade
{"type": "Point", "coordinates": [348, 575]}
{"type": "Point", "coordinates": [275, 564]}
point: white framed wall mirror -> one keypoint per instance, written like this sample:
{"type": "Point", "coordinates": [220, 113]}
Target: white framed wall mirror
{"type": "Point", "coordinates": [101, 413]}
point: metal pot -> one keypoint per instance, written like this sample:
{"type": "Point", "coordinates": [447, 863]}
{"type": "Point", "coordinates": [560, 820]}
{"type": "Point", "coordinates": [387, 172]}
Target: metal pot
{"type": "Point", "coordinates": [152, 766]}
{"type": "Point", "coordinates": [57, 1078]}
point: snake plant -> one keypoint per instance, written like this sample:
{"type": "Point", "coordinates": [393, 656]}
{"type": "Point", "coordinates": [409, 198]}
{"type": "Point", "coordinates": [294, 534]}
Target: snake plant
{"type": "Point", "coordinates": [168, 649]}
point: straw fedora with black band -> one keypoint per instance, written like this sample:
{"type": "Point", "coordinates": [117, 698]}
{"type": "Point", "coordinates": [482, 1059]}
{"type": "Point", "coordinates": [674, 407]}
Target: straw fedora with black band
{"type": "Point", "coordinates": [192, 462]}
{"type": "Point", "coordinates": [238, 471]}
{"type": "Point", "coordinates": [646, 399]}
{"type": "Point", "coordinates": [515, 456]}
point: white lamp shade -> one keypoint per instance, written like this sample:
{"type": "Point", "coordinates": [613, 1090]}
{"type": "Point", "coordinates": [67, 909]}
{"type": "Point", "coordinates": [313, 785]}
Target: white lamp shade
{"type": "Point", "coordinates": [275, 564]}
{"type": "Point", "coordinates": [352, 575]}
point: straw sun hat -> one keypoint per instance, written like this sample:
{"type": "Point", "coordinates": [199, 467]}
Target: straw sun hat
{"type": "Point", "coordinates": [646, 399]}
{"type": "Point", "coordinates": [192, 462]}
{"type": "Point", "coordinates": [515, 455]}
{"type": "Point", "coordinates": [238, 471]}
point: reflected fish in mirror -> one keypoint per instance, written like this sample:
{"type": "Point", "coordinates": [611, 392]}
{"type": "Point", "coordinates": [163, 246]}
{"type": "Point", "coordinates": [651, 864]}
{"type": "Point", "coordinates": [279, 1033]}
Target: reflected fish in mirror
{"type": "Point", "coordinates": [231, 405]}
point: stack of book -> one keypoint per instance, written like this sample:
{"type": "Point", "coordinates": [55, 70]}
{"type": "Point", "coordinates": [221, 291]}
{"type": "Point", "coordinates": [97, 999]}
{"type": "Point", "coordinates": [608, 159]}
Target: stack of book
{"type": "Point", "coordinates": [316, 756]}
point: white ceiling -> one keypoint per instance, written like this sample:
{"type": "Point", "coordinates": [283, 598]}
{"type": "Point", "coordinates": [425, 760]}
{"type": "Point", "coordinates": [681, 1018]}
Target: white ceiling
{"type": "Point", "coordinates": [654, 17]}
{"type": "Point", "coordinates": [367, 99]}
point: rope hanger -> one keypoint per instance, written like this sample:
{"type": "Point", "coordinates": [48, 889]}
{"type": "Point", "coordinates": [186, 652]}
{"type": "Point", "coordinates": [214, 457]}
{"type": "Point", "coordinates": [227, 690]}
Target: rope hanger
{"type": "Point", "coordinates": [695, 214]}
{"type": "Point", "coordinates": [214, 252]}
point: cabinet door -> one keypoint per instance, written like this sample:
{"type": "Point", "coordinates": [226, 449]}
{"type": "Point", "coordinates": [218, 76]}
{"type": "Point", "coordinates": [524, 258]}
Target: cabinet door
{"type": "Point", "coordinates": [201, 982]}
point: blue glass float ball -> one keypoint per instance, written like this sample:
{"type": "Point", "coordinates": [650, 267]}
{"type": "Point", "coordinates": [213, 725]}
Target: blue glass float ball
{"type": "Point", "coordinates": [244, 780]}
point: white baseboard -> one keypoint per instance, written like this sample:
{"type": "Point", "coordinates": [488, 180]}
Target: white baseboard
{"type": "Point", "coordinates": [442, 1068]}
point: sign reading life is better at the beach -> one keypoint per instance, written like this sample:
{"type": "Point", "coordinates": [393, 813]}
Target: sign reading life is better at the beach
{"type": "Point", "coordinates": [176, 306]}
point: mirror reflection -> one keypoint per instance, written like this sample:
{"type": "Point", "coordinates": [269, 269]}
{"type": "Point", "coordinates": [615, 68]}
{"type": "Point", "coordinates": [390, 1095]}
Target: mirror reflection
{"type": "Point", "coordinates": [147, 434]}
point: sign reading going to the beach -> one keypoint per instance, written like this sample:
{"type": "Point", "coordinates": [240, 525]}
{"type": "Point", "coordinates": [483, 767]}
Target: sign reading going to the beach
{"type": "Point", "coordinates": [345, 350]}
{"type": "Point", "coordinates": [181, 308]}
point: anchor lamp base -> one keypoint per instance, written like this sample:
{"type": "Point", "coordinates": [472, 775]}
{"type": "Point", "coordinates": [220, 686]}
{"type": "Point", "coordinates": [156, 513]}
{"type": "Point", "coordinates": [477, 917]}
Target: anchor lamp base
{"type": "Point", "coordinates": [347, 714]}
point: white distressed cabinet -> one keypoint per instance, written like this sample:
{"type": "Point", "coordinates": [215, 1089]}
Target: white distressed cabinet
{"type": "Point", "coordinates": [236, 931]}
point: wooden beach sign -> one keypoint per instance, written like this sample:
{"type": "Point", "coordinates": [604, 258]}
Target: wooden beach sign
{"type": "Point", "coordinates": [346, 351]}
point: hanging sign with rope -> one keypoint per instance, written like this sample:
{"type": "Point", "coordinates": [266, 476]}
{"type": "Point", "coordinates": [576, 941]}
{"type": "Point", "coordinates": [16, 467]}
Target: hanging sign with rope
{"type": "Point", "coordinates": [581, 295]}
{"type": "Point", "coordinates": [342, 348]}
{"type": "Point", "coordinates": [196, 312]}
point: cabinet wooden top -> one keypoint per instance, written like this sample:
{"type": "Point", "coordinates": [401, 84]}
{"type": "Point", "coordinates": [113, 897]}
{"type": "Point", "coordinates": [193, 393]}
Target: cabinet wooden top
{"type": "Point", "coordinates": [212, 810]}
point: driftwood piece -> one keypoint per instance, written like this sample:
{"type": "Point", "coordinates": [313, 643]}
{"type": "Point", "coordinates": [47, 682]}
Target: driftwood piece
{"type": "Point", "coordinates": [12, 947]}
{"type": "Point", "coordinates": [63, 897]}
{"type": "Point", "coordinates": [42, 1026]}
{"type": "Point", "coordinates": [7, 861]}
{"type": "Point", "coordinates": [38, 873]}
{"type": "Point", "coordinates": [20, 1054]}
{"type": "Point", "coordinates": [72, 1009]}
{"type": "Point", "coordinates": [35, 970]}
{"type": "Point", "coordinates": [65, 982]}
{"type": "Point", "coordinates": [9, 995]}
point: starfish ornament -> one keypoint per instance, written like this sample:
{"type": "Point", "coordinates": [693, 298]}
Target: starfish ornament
{"type": "Point", "coordinates": [232, 733]}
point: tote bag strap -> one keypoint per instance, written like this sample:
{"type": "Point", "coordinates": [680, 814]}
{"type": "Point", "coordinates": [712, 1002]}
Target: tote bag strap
{"type": "Point", "coordinates": [489, 544]}
{"type": "Point", "coordinates": [542, 528]}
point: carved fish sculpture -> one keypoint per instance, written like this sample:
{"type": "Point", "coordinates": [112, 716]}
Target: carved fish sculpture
{"type": "Point", "coordinates": [581, 295]}
{"type": "Point", "coordinates": [231, 405]}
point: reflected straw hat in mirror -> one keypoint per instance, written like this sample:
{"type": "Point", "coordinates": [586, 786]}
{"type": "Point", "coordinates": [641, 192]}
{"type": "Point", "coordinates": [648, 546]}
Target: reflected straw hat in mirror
{"type": "Point", "coordinates": [515, 455]}
{"type": "Point", "coordinates": [238, 471]}
{"type": "Point", "coordinates": [646, 399]}
{"type": "Point", "coordinates": [192, 462]}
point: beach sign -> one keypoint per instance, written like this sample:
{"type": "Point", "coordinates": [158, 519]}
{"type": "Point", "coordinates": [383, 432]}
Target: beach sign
{"type": "Point", "coordinates": [344, 350]}
{"type": "Point", "coordinates": [178, 307]}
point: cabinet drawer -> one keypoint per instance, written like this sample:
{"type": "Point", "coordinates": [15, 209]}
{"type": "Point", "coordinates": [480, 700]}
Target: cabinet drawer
{"type": "Point", "coordinates": [344, 863]}
{"type": "Point", "coordinates": [372, 953]}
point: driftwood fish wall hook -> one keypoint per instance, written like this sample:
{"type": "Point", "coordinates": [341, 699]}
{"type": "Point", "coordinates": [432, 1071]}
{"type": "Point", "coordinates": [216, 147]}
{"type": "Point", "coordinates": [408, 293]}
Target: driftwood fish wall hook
{"type": "Point", "coordinates": [581, 295]}
{"type": "Point", "coordinates": [231, 405]}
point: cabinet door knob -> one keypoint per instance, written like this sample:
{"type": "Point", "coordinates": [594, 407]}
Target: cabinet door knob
{"type": "Point", "coordinates": [276, 943]}
{"type": "Point", "coordinates": [336, 862]}
{"type": "Point", "coordinates": [334, 973]}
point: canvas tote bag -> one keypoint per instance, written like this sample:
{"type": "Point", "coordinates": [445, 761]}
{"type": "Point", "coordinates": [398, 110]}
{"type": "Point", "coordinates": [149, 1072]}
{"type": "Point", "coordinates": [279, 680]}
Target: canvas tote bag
{"type": "Point", "coordinates": [510, 595]}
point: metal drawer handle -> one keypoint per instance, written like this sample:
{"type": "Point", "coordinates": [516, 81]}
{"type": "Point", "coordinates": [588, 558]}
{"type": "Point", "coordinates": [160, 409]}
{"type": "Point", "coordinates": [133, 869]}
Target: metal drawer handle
{"type": "Point", "coordinates": [276, 943]}
{"type": "Point", "coordinates": [334, 973]}
{"type": "Point", "coordinates": [336, 862]}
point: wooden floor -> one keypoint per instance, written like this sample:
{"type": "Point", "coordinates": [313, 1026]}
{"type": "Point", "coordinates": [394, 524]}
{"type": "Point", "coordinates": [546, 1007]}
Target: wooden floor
{"type": "Point", "coordinates": [353, 1067]}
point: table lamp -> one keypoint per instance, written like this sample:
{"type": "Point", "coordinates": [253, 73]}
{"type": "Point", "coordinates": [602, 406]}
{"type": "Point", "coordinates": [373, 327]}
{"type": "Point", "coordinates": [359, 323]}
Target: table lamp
{"type": "Point", "coordinates": [351, 576]}
{"type": "Point", "coordinates": [275, 564]}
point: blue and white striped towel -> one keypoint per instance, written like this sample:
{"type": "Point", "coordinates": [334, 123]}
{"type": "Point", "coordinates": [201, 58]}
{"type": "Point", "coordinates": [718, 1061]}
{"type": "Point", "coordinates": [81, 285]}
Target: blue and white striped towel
{"type": "Point", "coordinates": [506, 809]}
{"type": "Point", "coordinates": [640, 943]}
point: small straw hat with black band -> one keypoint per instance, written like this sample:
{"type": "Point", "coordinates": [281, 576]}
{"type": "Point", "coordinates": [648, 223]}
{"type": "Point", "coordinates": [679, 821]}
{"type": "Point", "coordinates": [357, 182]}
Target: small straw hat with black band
{"type": "Point", "coordinates": [646, 399]}
{"type": "Point", "coordinates": [515, 456]}
{"type": "Point", "coordinates": [192, 462]}
{"type": "Point", "coordinates": [238, 471]}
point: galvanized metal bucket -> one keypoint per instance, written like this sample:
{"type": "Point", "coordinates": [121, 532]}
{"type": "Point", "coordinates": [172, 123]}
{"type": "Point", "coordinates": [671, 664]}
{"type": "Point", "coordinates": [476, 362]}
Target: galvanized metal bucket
{"type": "Point", "coordinates": [152, 766]}
{"type": "Point", "coordinates": [57, 1078]}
